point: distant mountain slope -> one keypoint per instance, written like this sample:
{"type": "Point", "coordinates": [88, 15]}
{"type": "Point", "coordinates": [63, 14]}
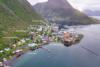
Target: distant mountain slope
{"type": "Point", "coordinates": [61, 11]}
{"type": "Point", "coordinates": [92, 13]}
{"type": "Point", "coordinates": [15, 15]}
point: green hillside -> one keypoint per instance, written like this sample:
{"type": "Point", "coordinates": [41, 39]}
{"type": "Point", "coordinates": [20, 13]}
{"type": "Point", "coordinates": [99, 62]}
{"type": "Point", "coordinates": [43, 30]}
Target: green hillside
{"type": "Point", "coordinates": [15, 15]}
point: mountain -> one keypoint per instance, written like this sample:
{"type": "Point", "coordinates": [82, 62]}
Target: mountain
{"type": "Point", "coordinates": [92, 13]}
{"type": "Point", "coordinates": [15, 15]}
{"type": "Point", "coordinates": [60, 11]}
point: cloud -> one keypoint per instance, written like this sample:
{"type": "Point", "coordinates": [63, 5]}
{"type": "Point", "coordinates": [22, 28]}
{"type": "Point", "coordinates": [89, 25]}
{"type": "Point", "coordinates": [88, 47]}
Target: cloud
{"type": "Point", "coordinates": [86, 4]}
{"type": "Point", "coordinates": [33, 2]}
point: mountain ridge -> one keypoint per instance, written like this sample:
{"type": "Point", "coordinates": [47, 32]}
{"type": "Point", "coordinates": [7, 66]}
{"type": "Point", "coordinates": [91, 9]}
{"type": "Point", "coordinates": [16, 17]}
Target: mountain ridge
{"type": "Point", "coordinates": [63, 10]}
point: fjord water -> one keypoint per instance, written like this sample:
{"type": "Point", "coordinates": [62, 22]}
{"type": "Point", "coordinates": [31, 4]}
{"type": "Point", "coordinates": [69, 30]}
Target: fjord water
{"type": "Point", "coordinates": [84, 54]}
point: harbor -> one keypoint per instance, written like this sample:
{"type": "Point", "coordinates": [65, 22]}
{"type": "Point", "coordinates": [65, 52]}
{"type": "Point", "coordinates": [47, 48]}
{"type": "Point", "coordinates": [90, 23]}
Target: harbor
{"type": "Point", "coordinates": [37, 37]}
{"type": "Point", "coordinates": [83, 54]}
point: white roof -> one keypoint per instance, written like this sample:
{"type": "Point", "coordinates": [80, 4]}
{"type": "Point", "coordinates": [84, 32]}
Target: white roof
{"type": "Point", "coordinates": [18, 50]}
{"type": "Point", "coordinates": [23, 40]}
{"type": "Point", "coordinates": [7, 49]}
{"type": "Point", "coordinates": [32, 44]}
{"type": "Point", "coordinates": [1, 51]}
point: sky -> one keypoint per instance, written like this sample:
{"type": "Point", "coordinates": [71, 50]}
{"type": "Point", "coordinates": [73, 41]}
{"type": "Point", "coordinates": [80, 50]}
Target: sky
{"type": "Point", "coordinates": [78, 4]}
